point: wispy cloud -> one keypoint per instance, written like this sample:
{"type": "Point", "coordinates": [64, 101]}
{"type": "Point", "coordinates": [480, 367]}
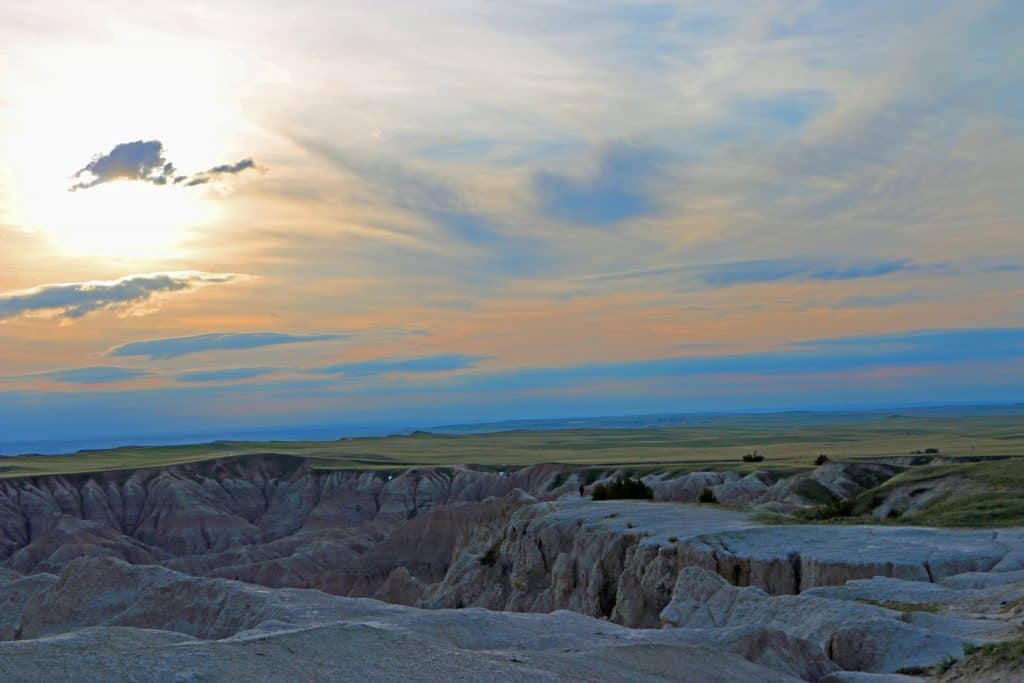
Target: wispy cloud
{"type": "Point", "coordinates": [775, 270]}
{"type": "Point", "coordinates": [95, 375]}
{"type": "Point", "coordinates": [399, 186]}
{"type": "Point", "coordinates": [173, 347]}
{"type": "Point", "coordinates": [224, 375]}
{"type": "Point", "coordinates": [447, 362]}
{"type": "Point", "coordinates": [733, 273]}
{"type": "Point", "coordinates": [440, 363]}
{"type": "Point", "coordinates": [144, 161]}
{"type": "Point", "coordinates": [613, 193]}
{"type": "Point", "coordinates": [77, 299]}
{"type": "Point", "coordinates": [224, 169]}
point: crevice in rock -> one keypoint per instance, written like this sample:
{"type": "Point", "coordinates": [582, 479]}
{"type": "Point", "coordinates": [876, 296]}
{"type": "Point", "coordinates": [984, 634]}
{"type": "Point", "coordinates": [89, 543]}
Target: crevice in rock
{"type": "Point", "coordinates": [796, 562]}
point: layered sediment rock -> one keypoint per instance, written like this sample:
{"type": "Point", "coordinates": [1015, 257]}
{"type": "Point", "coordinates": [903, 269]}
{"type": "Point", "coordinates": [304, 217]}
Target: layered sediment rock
{"type": "Point", "coordinates": [621, 559]}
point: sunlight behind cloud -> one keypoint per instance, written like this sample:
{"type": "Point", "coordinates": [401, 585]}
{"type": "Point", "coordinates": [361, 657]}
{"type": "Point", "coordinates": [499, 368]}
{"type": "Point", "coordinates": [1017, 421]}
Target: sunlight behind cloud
{"type": "Point", "coordinates": [122, 219]}
{"type": "Point", "coordinates": [70, 104]}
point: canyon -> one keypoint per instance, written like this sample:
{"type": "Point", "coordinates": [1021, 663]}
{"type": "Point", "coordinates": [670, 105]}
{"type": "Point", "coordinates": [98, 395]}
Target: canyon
{"type": "Point", "coordinates": [488, 573]}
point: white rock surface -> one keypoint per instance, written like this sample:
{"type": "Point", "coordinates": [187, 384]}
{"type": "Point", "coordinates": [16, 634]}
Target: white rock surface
{"type": "Point", "coordinates": [855, 636]}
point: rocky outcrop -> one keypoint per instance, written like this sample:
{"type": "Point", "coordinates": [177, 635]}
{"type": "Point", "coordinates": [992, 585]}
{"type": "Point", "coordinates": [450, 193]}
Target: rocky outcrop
{"type": "Point", "coordinates": [621, 559]}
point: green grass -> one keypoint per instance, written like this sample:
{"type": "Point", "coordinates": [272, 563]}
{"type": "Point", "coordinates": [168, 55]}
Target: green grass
{"type": "Point", "coordinates": [989, 509]}
{"type": "Point", "coordinates": [790, 444]}
{"type": "Point", "coordinates": [995, 661]}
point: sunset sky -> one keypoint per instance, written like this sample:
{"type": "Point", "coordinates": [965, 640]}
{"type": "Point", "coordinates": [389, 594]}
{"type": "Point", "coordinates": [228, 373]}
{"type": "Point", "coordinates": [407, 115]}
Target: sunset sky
{"type": "Point", "coordinates": [247, 214]}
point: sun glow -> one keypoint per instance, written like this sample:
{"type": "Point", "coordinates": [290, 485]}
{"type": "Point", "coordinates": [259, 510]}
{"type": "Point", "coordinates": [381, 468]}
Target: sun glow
{"type": "Point", "coordinates": [64, 105]}
{"type": "Point", "coordinates": [119, 219]}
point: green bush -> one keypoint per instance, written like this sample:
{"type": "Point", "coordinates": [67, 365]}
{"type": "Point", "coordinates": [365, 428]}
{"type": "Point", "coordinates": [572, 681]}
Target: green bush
{"type": "Point", "coordinates": [707, 496]}
{"type": "Point", "coordinates": [821, 459]}
{"type": "Point", "coordinates": [623, 487]}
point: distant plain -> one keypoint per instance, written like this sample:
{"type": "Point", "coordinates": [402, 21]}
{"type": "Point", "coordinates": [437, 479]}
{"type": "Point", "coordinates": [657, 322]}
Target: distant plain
{"type": "Point", "coordinates": [788, 442]}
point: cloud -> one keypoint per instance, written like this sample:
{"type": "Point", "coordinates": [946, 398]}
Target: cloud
{"type": "Point", "coordinates": [77, 299]}
{"type": "Point", "coordinates": [774, 270]}
{"type": "Point", "coordinates": [144, 161]}
{"type": "Point", "coordinates": [921, 348]}
{"type": "Point", "coordinates": [127, 161]}
{"type": "Point", "coordinates": [97, 375]}
{"type": "Point", "coordinates": [614, 193]}
{"type": "Point", "coordinates": [174, 347]}
{"type": "Point", "coordinates": [421, 194]}
{"type": "Point", "coordinates": [94, 375]}
{"type": "Point", "coordinates": [224, 169]}
{"type": "Point", "coordinates": [732, 273]}
{"type": "Point", "coordinates": [224, 375]}
{"type": "Point", "coordinates": [427, 364]}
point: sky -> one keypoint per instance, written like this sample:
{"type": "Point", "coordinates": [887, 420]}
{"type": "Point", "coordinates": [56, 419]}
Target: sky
{"type": "Point", "coordinates": [247, 214]}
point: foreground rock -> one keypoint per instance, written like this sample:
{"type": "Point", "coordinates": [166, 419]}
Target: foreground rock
{"type": "Point", "coordinates": [855, 636]}
{"type": "Point", "coordinates": [105, 620]}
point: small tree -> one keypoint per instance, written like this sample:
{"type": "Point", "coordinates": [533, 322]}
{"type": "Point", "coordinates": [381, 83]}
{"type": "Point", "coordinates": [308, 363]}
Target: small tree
{"type": "Point", "coordinates": [753, 456]}
{"type": "Point", "coordinates": [707, 496]}
{"type": "Point", "coordinates": [821, 459]}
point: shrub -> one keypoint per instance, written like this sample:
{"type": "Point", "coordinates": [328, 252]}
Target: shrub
{"type": "Point", "coordinates": [623, 487]}
{"type": "Point", "coordinates": [931, 451]}
{"type": "Point", "coordinates": [837, 507]}
{"type": "Point", "coordinates": [821, 459]}
{"type": "Point", "coordinates": [707, 496]}
{"type": "Point", "coordinates": [944, 665]}
{"type": "Point", "coordinates": [753, 457]}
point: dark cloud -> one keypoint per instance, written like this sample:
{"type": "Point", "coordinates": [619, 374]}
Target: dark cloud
{"type": "Point", "coordinates": [174, 347]}
{"type": "Point", "coordinates": [76, 299]}
{"type": "Point", "coordinates": [139, 160]}
{"type": "Point", "coordinates": [211, 173]}
{"type": "Point", "coordinates": [144, 161]}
